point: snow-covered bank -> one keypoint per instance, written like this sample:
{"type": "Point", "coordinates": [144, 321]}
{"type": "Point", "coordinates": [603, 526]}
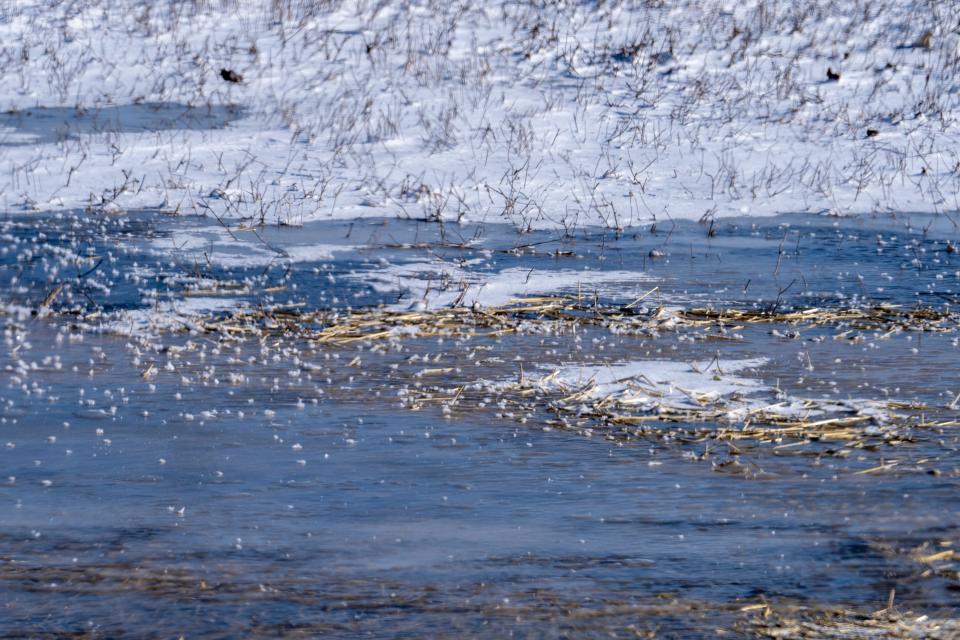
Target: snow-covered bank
{"type": "Point", "coordinates": [540, 115]}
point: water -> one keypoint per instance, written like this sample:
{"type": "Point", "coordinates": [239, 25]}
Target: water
{"type": "Point", "coordinates": [39, 125]}
{"type": "Point", "coordinates": [304, 499]}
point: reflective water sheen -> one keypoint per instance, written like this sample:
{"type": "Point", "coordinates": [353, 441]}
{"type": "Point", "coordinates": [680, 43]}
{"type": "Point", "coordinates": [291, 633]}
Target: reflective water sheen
{"type": "Point", "coordinates": [304, 500]}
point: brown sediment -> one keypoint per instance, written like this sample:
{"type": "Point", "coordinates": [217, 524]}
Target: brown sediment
{"type": "Point", "coordinates": [331, 603]}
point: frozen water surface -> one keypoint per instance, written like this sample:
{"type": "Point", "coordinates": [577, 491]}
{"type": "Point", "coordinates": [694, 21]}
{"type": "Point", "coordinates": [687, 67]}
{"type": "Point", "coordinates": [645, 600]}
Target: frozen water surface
{"type": "Point", "coordinates": [159, 478]}
{"type": "Point", "coordinates": [40, 125]}
{"type": "Point", "coordinates": [425, 319]}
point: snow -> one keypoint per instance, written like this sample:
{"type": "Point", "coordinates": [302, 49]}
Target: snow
{"type": "Point", "coordinates": [653, 382]}
{"type": "Point", "coordinates": [164, 316]}
{"type": "Point", "coordinates": [431, 285]}
{"type": "Point", "coordinates": [650, 385]}
{"type": "Point", "coordinates": [217, 245]}
{"type": "Point", "coordinates": [542, 116]}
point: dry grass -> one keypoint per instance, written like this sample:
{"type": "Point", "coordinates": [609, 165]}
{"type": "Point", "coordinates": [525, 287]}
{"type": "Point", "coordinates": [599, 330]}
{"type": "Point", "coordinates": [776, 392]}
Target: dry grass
{"type": "Point", "coordinates": [788, 428]}
{"type": "Point", "coordinates": [559, 313]}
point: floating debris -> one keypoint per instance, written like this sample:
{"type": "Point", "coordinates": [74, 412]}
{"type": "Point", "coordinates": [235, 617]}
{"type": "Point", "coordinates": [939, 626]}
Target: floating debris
{"type": "Point", "coordinates": [649, 403]}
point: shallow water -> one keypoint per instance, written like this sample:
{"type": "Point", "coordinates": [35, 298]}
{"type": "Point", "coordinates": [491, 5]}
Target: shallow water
{"type": "Point", "coordinates": [769, 263]}
{"type": "Point", "coordinates": [304, 499]}
{"type": "Point", "coordinates": [40, 125]}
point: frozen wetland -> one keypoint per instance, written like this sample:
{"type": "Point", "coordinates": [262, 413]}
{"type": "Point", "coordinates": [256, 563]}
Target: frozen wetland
{"type": "Point", "coordinates": [423, 319]}
{"type": "Point", "coordinates": [224, 436]}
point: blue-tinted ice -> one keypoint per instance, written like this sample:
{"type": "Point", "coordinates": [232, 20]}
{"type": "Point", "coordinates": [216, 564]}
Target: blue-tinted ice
{"type": "Point", "coordinates": [302, 497]}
